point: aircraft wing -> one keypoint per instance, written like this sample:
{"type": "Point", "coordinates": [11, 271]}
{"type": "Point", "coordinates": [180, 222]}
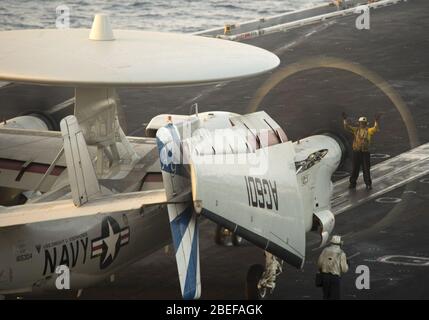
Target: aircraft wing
{"type": "Point", "coordinates": [63, 209]}
{"type": "Point", "coordinates": [25, 156]}
{"type": "Point", "coordinates": [387, 176]}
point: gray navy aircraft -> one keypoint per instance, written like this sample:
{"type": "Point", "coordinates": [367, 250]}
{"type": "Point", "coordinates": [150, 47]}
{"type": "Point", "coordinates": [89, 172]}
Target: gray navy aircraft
{"type": "Point", "coordinates": [97, 198]}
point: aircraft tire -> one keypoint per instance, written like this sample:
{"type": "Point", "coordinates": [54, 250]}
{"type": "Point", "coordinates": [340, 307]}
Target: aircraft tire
{"type": "Point", "coordinates": [237, 240]}
{"type": "Point", "coordinates": [254, 274]}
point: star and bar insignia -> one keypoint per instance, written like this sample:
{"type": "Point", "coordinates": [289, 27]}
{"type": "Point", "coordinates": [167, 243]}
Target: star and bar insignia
{"type": "Point", "coordinates": [113, 237]}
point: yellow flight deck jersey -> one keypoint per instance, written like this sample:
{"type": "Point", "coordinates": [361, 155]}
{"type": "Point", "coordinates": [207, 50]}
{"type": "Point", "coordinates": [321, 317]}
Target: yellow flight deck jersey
{"type": "Point", "coordinates": [362, 136]}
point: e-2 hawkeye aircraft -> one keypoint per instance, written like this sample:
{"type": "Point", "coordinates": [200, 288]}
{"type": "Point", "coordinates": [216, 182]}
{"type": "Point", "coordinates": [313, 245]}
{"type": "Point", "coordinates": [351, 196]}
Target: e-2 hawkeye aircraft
{"type": "Point", "coordinates": [92, 199]}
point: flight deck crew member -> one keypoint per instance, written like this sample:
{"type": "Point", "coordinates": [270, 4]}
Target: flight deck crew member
{"type": "Point", "coordinates": [341, 4]}
{"type": "Point", "coordinates": [361, 143]}
{"type": "Point", "coordinates": [332, 264]}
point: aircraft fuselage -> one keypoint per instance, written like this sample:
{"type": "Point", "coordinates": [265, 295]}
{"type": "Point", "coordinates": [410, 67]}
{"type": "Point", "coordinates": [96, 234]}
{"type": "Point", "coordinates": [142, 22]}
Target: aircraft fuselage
{"type": "Point", "coordinates": [92, 247]}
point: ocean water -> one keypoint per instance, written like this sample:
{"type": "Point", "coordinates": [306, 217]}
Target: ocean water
{"type": "Point", "coordinates": [160, 15]}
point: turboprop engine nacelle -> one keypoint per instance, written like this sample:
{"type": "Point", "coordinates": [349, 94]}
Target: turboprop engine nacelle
{"type": "Point", "coordinates": [317, 158]}
{"type": "Point", "coordinates": [31, 121]}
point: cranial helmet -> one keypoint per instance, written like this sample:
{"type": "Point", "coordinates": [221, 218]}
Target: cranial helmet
{"type": "Point", "coordinates": [336, 240]}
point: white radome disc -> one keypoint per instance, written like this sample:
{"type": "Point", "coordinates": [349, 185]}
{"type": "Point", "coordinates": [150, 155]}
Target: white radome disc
{"type": "Point", "coordinates": [67, 57]}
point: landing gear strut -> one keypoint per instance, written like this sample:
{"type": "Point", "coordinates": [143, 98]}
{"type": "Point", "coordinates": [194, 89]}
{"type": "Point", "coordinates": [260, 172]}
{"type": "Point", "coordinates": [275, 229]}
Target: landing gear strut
{"type": "Point", "coordinates": [260, 280]}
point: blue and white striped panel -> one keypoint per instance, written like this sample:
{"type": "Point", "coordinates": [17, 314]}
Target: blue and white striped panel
{"type": "Point", "coordinates": [184, 230]}
{"type": "Point", "coordinates": [183, 220]}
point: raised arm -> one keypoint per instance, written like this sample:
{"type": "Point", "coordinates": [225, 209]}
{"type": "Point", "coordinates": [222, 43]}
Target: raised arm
{"type": "Point", "coordinates": [375, 128]}
{"type": "Point", "coordinates": [346, 124]}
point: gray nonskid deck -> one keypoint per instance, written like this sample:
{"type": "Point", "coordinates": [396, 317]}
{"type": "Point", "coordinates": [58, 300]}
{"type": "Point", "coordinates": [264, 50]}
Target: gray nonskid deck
{"type": "Point", "coordinates": [386, 176]}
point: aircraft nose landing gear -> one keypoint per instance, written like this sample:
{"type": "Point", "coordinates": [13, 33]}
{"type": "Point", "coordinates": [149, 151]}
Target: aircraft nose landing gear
{"type": "Point", "coordinates": [260, 280]}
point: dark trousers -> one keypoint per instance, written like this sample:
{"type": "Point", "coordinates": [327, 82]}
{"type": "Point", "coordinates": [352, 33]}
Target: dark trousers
{"type": "Point", "coordinates": [361, 159]}
{"type": "Point", "coordinates": [331, 286]}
